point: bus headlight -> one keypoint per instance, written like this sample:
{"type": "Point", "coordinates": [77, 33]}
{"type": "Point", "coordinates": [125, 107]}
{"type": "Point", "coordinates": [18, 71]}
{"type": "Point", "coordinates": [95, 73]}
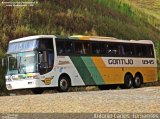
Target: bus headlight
{"type": "Point", "coordinates": [8, 78]}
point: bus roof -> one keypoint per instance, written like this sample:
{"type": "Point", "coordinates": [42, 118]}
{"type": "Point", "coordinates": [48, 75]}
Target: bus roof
{"type": "Point", "coordinates": [99, 38]}
{"type": "Point", "coordinates": [31, 38]}
{"type": "Point", "coordinates": [82, 37]}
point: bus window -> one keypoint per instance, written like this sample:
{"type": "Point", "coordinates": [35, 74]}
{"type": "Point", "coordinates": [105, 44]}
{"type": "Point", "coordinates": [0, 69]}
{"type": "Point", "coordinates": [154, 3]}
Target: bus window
{"type": "Point", "coordinates": [60, 47]}
{"type": "Point", "coordinates": [68, 47]}
{"type": "Point", "coordinates": [78, 48]}
{"type": "Point", "coordinates": [46, 43]}
{"type": "Point", "coordinates": [46, 55]}
{"type": "Point", "coordinates": [102, 48]}
{"type": "Point", "coordinates": [144, 50]}
{"type": "Point", "coordinates": [128, 50]}
{"type": "Point", "coordinates": [113, 49]}
{"type": "Point", "coordinates": [82, 48]}
{"type": "Point", "coordinates": [86, 47]}
{"type": "Point", "coordinates": [98, 48]}
{"type": "Point", "coordinates": [43, 59]}
{"type": "Point", "coordinates": [141, 50]}
{"type": "Point", "coordinates": [150, 51]}
{"type": "Point", "coordinates": [138, 50]}
{"type": "Point", "coordinates": [95, 48]}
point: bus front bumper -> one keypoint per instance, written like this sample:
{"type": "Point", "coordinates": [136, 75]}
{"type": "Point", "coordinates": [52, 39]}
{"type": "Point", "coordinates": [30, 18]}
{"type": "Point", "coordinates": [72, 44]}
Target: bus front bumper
{"type": "Point", "coordinates": [23, 84]}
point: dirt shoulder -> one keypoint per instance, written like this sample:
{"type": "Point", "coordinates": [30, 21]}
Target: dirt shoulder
{"type": "Point", "coordinates": [146, 100]}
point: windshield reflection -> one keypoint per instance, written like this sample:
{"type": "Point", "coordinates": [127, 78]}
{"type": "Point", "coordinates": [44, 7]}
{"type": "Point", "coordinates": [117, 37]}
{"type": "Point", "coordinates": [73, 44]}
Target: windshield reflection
{"type": "Point", "coordinates": [22, 63]}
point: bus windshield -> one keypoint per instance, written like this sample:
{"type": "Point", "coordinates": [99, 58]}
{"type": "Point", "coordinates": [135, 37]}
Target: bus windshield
{"type": "Point", "coordinates": [21, 63]}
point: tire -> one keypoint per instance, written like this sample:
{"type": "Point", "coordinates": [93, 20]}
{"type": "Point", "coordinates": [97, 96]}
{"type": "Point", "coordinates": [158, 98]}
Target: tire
{"type": "Point", "coordinates": [128, 82]}
{"type": "Point", "coordinates": [63, 84]}
{"type": "Point", "coordinates": [137, 81]}
{"type": "Point", "coordinates": [37, 90]}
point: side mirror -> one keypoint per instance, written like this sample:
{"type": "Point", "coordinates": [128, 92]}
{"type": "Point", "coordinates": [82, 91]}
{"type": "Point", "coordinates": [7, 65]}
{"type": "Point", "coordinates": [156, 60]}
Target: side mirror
{"type": "Point", "coordinates": [2, 62]}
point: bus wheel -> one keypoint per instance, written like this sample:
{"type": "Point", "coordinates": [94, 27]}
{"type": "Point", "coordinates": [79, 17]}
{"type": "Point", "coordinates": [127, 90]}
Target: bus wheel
{"type": "Point", "coordinates": [128, 82]}
{"type": "Point", "coordinates": [63, 84]}
{"type": "Point", "coordinates": [137, 81]}
{"type": "Point", "coordinates": [37, 90]}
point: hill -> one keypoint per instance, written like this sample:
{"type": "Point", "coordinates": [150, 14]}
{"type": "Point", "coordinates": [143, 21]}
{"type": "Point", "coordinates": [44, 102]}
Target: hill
{"type": "Point", "coordinates": [123, 19]}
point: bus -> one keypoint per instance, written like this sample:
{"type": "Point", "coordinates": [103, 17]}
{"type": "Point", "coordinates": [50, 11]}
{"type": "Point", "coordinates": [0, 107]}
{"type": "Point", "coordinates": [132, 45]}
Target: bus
{"type": "Point", "coordinates": [46, 61]}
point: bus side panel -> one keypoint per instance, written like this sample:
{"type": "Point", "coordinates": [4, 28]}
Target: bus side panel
{"type": "Point", "coordinates": [149, 74]}
{"type": "Point", "coordinates": [110, 75]}
{"type": "Point", "coordinates": [65, 65]}
{"type": "Point", "coordinates": [87, 70]}
{"type": "Point", "coordinates": [82, 70]}
{"type": "Point", "coordinates": [93, 70]}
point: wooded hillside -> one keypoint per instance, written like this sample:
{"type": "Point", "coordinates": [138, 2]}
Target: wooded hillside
{"type": "Point", "coordinates": [123, 19]}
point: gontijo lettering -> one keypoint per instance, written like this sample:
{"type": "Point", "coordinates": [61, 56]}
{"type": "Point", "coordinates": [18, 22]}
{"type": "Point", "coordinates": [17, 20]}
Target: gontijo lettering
{"type": "Point", "coordinates": [120, 61]}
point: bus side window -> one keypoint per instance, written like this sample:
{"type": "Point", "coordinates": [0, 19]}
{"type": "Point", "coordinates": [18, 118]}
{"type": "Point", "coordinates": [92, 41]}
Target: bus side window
{"type": "Point", "coordinates": [141, 50]}
{"type": "Point", "coordinates": [86, 48]}
{"type": "Point", "coordinates": [46, 55]}
{"type": "Point", "coordinates": [121, 50]}
{"type": "Point", "coordinates": [60, 47]}
{"type": "Point", "coordinates": [82, 48]}
{"type": "Point", "coordinates": [95, 48]}
{"type": "Point", "coordinates": [98, 48]}
{"type": "Point", "coordinates": [43, 59]}
{"type": "Point", "coordinates": [150, 51]}
{"type": "Point", "coordinates": [50, 59]}
{"type": "Point", "coordinates": [68, 47]}
{"type": "Point", "coordinates": [78, 48]}
{"type": "Point", "coordinates": [144, 50]}
{"type": "Point", "coordinates": [102, 48]}
{"type": "Point", "coordinates": [138, 50]}
{"type": "Point", "coordinates": [128, 50]}
{"type": "Point", "coordinates": [46, 43]}
{"type": "Point", "coordinates": [113, 49]}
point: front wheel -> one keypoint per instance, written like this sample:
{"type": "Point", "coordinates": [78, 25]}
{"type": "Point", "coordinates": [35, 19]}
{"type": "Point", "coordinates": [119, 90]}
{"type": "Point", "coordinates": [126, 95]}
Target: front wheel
{"type": "Point", "coordinates": [63, 84]}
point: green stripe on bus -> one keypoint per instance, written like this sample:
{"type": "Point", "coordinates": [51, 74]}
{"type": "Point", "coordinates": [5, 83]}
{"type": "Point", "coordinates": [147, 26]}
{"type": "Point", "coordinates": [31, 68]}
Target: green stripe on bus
{"type": "Point", "coordinates": [83, 70]}
{"type": "Point", "coordinates": [93, 70]}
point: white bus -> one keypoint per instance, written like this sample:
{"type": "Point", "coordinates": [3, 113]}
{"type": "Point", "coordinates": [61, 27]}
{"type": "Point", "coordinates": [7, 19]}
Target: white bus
{"type": "Point", "coordinates": [46, 61]}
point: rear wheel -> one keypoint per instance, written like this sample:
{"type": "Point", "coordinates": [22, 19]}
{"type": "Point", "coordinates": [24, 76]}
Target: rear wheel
{"type": "Point", "coordinates": [137, 81]}
{"type": "Point", "coordinates": [128, 82]}
{"type": "Point", "coordinates": [63, 84]}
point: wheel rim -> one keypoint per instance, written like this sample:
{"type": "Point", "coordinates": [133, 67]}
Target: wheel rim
{"type": "Point", "coordinates": [63, 84]}
{"type": "Point", "coordinates": [137, 81]}
{"type": "Point", "coordinates": [129, 82]}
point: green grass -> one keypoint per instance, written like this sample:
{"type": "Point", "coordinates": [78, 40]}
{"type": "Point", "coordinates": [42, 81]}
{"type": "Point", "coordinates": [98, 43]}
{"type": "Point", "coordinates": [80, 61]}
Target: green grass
{"type": "Point", "coordinates": [149, 5]}
{"type": "Point", "coordinates": [140, 11]}
{"type": "Point", "coordinates": [151, 9]}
